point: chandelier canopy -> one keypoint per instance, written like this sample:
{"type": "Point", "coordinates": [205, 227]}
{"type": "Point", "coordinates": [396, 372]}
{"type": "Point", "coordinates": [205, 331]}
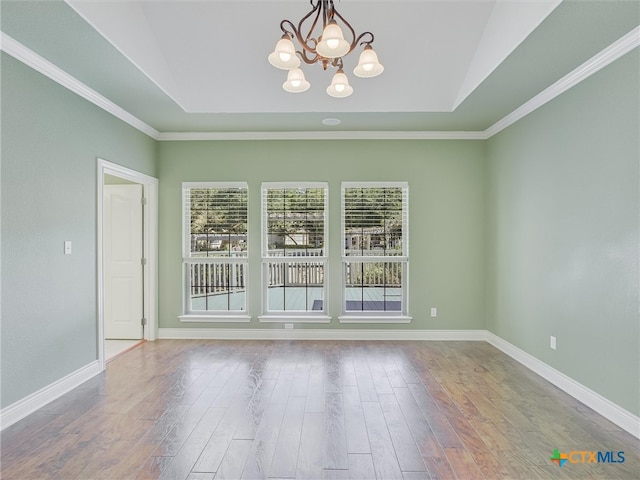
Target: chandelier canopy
{"type": "Point", "coordinates": [327, 47]}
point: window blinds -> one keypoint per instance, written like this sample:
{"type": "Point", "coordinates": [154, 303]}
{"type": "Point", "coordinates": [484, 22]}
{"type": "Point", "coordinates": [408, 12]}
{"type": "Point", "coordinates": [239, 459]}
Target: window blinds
{"type": "Point", "coordinates": [375, 219]}
{"type": "Point", "coordinates": [215, 220]}
{"type": "Point", "coordinates": [294, 219]}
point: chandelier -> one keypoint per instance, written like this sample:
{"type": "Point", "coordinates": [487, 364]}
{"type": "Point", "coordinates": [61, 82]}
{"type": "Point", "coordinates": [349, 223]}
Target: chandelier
{"type": "Point", "coordinates": [328, 48]}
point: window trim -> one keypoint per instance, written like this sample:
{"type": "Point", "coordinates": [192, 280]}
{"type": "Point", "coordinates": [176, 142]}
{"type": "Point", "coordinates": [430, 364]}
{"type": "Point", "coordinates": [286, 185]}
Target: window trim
{"type": "Point", "coordinates": [293, 316]}
{"type": "Point", "coordinates": [372, 316]}
{"type": "Point", "coordinates": [210, 316]}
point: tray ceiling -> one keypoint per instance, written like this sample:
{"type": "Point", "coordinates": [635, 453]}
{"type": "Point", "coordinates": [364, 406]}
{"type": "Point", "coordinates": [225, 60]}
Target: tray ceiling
{"type": "Point", "coordinates": [202, 65]}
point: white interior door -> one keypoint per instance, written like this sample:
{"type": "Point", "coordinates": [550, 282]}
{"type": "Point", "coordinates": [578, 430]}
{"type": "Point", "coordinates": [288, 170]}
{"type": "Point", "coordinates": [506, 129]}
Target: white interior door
{"type": "Point", "coordinates": [123, 270]}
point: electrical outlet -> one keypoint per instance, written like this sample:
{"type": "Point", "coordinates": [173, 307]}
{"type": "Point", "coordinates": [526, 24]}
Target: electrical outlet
{"type": "Point", "coordinates": [288, 326]}
{"type": "Point", "coordinates": [552, 342]}
{"type": "Point", "coordinates": [434, 312]}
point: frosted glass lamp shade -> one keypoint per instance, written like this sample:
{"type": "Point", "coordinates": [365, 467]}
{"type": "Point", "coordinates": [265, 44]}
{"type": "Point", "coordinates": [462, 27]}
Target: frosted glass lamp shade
{"type": "Point", "coordinates": [284, 56]}
{"type": "Point", "coordinates": [368, 65]}
{"type": "Point", "coordinates": [333, 44]}
{"type": "Point", "coordinates": [340, 87]}
{"type": "Point", "coordinates": [296, 83]}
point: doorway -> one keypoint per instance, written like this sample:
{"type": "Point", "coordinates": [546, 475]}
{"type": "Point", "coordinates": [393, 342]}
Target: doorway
{"type": "Point", "coordinates": [127, 259]}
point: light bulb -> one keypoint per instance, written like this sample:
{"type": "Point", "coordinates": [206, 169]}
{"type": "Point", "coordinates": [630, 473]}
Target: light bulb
{"type": "Point", "coordinates": [367, 67]}
{"type": "Point", "coordinates": [295, 83]}
{"type": "Point", "coordinates": [284, 56]}
{"type": "Point", "coordinates": [339, 87]}
{"type": "Point", "coordinates": [333, 43]}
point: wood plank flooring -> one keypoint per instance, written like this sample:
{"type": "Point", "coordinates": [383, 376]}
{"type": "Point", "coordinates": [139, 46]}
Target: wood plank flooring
{"type": "Point", "coordinates": [210, 410]}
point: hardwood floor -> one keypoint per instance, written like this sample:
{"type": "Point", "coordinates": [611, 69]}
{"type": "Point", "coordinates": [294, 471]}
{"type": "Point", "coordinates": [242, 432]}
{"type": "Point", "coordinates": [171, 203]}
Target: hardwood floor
{"type": "Point", "coordinates": [201, 410]}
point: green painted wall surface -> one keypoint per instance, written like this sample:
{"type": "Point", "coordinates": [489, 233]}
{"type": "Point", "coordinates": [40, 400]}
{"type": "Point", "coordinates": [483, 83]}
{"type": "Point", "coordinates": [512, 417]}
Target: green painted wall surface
{"type": "Point", "coordinates": [563, 233]}
{"type": "Point", "coordinates": [50, 141]}
{"type": "Point", "coordinates": [446, 182]}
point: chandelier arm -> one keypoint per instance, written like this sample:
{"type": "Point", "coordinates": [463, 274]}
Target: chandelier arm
{"type": "Point", "coordinates": [284, 30]}
{"type": "Point", "coordinates": [298, 31]}
{"type": "Point", "coordinates": [360, 37]}
{"type": "Point", "coordinates": [309, 61]}
{"type": "Point", "coordinates": [311, 29]}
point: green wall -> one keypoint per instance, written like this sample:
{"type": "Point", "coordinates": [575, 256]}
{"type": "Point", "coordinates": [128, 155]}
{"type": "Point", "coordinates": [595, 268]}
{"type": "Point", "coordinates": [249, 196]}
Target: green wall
{"type": "Point", "coordinates": [446, 210]}
{"type": "Point", "coordinates": [563, 233]}
{"type": "Point", "coordinates": [50, 141]}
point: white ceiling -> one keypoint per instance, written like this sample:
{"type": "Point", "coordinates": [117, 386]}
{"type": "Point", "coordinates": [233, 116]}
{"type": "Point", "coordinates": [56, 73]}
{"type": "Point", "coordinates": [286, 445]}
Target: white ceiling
{"type": "Point", "coordinates": [211, 56]}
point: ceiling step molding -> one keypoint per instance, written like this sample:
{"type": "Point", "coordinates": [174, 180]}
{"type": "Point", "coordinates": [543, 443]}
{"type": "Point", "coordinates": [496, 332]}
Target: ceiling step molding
{"type": "Point", "coordinates": [596, 63]}
{"type": "Point", "coordinates": [607, 56]}
{"type": "Point", "coordinates": [48, 69]}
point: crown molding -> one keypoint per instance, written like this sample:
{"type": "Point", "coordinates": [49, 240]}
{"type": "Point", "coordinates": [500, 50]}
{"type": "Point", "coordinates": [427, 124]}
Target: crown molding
{"type": "Point", "coordinates": [48, 69]}
{"type": "Point", "coordinates": [607, 56]}
{"type": "Point", "coordinates": [320, 135]}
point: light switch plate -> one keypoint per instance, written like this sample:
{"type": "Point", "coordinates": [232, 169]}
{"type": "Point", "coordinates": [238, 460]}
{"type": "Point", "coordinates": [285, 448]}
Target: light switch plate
{"type": "Point", "coordinates": [67, 247]}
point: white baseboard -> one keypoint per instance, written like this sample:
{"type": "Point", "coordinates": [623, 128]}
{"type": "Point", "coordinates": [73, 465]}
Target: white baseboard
{"type": "Point", "coordinates": [317, 334]}
{"type": "Point", "coordinates": [29, 404]}
{"type": "Point", "coordinates": [611, 411]}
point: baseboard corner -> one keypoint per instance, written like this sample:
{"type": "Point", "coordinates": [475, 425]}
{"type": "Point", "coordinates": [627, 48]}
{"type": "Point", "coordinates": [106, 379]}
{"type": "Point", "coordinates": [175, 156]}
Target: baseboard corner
{"type": "Point", "coordinates": [29, 404]}
{"type": "Point", "coordinates": [605, 407]}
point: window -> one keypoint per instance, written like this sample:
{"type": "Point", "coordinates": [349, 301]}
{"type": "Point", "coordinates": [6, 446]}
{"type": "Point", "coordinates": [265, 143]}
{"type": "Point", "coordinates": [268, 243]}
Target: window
{"type": "Point", "coordinates": [215, 250]}
{"type": "Point", "coordinates": [375, 250]}
{"type": "Point", "coordinates": [294, 250]}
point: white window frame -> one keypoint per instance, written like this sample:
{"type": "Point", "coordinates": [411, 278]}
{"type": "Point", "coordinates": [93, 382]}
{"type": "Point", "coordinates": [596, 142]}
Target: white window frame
{"type": "Point", "coordinates": [215, 316]}
{"type": "Point", "coordinates": [401, 316]}
{"type": "Point", "coordinates": [297, 316]}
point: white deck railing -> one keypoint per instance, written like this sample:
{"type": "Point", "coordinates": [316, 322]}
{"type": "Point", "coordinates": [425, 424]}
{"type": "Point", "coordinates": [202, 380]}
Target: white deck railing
{"type": "Point", "coordinates": [295, 274]}
{"type": "Point", "coordinates": [212, 278]}
{"type": "Point", "coordinates": [374, 274]}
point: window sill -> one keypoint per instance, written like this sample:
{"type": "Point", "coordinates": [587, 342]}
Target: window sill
{"type": "Point", "coordinates": [374, 319]}
{"type": "Point", "coordinates": [215, 318]}
{"type": "Point", "coordinates": [294, 319]}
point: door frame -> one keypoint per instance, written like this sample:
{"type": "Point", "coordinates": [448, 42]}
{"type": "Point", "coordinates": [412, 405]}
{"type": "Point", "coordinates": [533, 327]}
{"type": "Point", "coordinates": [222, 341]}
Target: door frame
{"type": "Point", "coordinates": [150, 248]}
